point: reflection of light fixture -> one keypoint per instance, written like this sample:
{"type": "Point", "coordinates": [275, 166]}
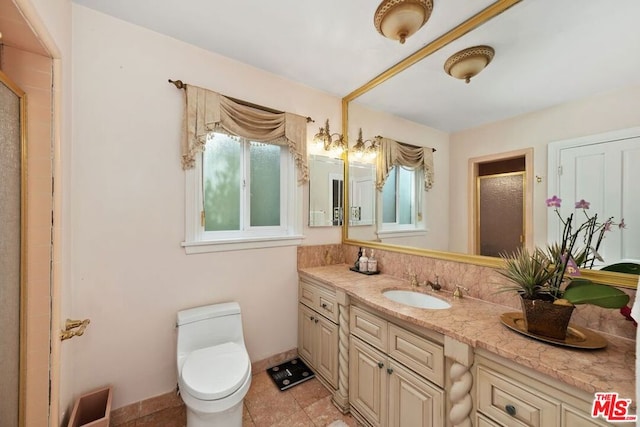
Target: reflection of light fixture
{"type": "Point", "coordinates": [399, 19]}
{"type": "Point", "coordinates": [469, 62]}
{"type": "Point", "coordinates": [324, 139]}
{"type": "Point", "coordinates": [361, 151]}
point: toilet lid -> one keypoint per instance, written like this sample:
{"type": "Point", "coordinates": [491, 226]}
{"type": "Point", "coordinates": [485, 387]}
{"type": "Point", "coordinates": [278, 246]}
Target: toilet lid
{"type": "Point", "coordinates": [215, 372]}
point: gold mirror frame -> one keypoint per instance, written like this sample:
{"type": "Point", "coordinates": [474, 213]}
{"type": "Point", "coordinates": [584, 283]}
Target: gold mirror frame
{"type": "Point", "coordinates": [22, 357]}
{"type": "Point", "coordinates": [619, 279]}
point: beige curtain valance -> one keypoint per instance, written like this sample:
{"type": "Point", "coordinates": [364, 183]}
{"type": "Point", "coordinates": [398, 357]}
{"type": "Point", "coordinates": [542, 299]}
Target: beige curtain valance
{"type": "Point", "coordinates": [208, 111]}
{"type": "Point", "coordinates": [394, 153]}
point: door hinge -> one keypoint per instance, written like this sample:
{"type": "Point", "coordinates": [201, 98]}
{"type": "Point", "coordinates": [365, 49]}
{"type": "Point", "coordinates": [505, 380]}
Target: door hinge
{"type": "Point", "coordinates": [202, 218]}
{"type": "Point", "coordinates": [559, 170]}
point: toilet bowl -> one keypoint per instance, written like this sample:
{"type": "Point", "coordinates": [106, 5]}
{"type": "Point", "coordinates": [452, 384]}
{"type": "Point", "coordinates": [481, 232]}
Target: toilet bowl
{"type": "Point", "coordinates": [214, 370]}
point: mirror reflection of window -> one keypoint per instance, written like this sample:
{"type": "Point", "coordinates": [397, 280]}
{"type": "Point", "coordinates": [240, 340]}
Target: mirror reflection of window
{"type": "Point", "coordinates": [401, 197]}
{"type": "Point", "coordinates": [326, 191]}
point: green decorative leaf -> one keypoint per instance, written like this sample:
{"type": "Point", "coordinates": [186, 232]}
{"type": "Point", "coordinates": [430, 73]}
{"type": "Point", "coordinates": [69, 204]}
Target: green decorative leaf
{"type": "Point", "coordinates": [582, 291]}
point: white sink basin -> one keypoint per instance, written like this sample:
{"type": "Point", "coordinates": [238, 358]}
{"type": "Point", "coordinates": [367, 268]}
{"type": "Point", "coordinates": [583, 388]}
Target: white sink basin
{"type": "Point", "coordinates": [416, 299]}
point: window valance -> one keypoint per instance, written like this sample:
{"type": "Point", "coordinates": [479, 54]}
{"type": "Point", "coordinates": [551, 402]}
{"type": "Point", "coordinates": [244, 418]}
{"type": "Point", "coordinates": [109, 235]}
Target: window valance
{"type": "Point", "coordinates": [394, 153]}
{"type": "Point", "coordinates": [208, 111]}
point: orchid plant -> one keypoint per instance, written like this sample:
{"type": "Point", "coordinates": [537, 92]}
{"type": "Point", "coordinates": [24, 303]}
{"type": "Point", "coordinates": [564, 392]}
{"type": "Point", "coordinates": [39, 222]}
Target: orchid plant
{"type": "Point", "coordinates": [551, 274]}
{"type": "Point", "coordinates": [570, 254]}
{"type": "Point", "coordinates": [592, 234]}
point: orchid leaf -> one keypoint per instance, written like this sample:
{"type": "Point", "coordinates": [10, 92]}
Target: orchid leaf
{"type": "Point", "coordinates": [582, 291]}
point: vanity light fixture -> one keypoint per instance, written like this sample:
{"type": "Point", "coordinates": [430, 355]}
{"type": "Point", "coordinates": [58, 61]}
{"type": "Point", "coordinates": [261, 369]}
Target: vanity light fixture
{"type": "Point", "coordinates": [469, 62]}
{"type": "Point", "coordinates": [399, 19]}
{"type": "Point", "coordinates": [363, 152]}
{"type": "Point", "coordinates": [324, 138]}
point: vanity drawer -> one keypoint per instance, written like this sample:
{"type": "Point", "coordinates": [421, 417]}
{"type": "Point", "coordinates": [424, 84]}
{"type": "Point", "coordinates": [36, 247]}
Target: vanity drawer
{"type": "Point", "coordinates": [370, 328]}
{"type": "Point", "coordinates": [327, 304]}
{"type": "Point", "coordinates": [307, 294]}
{"type": "Point", "coordinates": [510, 404]}
{"type": "Point", "coordinates": [319, 299]}
{"type": "Point", "coordinates": [423, 356]}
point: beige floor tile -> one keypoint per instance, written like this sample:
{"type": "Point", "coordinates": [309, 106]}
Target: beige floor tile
{"type": "Point", "coordinates": [309, 392]}
{"type": "Point", "coordinates": [299, 419]}
{"type": "Point", "coordinates": [271, 408]}
{"type": "Point", "coordinates": [323, 413]}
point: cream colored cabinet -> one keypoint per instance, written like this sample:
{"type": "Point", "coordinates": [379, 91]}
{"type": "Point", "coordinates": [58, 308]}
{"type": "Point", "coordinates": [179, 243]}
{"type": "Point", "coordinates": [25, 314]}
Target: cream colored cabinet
{"type": "Point", "coordinates": [390, 382]}
{"type": "Point", "coordinates": [512, 396]}
{"type": "Point", "coordinates": [318, 331]}
{"type": "Point", "coordinates": [368, 381]}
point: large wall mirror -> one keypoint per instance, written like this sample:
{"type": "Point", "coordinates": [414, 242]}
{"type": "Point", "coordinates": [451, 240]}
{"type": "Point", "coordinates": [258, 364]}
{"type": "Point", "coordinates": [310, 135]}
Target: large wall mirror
{"type": "Point", "coordinates": [560, 73]}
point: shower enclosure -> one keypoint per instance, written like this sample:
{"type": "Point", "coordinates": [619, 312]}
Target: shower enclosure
{"type": "Point", "coordinates": [12, 262]}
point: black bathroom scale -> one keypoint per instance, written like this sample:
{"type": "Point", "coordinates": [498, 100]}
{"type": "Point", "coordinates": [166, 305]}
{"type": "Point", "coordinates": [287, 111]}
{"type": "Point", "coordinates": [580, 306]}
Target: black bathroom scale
{"type": "Point", "coordinates": [291, 373]}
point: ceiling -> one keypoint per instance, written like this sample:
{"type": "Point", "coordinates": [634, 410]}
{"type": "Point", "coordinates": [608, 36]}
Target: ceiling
{"type": "Point", "coordinates": [547, 52]}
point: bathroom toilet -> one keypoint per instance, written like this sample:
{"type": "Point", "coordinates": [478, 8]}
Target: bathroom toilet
{"type": "Point", "coordinates": [214, 371]}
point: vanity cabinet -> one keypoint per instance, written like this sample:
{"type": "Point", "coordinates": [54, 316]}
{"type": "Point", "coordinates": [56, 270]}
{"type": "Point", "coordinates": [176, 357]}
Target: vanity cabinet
{"type": "Point", "coordinates": [318, 330]}
{"type": "Point", "coordinates": [513, 396]}
{"type": "Point", "coordinates": [395, 376]}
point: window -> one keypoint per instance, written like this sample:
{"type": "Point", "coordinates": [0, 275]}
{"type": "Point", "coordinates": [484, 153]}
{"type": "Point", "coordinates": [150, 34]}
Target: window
{"type": "Point", "coordinates": [401, 200]}
{"type": "Point", "coordinates": [245, 196]}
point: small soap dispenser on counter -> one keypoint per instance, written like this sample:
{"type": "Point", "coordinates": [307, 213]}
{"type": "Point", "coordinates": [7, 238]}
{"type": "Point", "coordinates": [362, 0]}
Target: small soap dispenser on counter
{"type": "Point", "coordinates": [372, 263]}
{"type": "Point", "coordinates": [364, 261]}
{"type": "Point", "coordinates": [356, 265]}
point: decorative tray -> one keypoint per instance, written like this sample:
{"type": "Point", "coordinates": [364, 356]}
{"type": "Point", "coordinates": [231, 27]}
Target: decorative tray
{"type": "Point", "coordinates": [577, 337]}
{"type": "Point", "coordinates": [368, 273]}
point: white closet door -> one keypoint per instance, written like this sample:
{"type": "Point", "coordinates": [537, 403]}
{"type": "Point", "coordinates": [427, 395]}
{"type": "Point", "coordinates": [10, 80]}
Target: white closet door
{"type": "Point", "coordinates": [607, 175]}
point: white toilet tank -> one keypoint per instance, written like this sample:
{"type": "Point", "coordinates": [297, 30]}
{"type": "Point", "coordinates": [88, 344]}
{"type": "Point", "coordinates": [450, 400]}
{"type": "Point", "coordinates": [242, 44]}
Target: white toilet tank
{"type": "Point", "coordinates": [206, 326]}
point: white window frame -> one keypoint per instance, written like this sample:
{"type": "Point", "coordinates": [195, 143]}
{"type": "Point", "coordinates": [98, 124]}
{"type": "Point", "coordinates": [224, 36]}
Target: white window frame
{"type": "Point", "coordinates": [289, 233]}
{"type": "Point", "coordinates": [418, 226]}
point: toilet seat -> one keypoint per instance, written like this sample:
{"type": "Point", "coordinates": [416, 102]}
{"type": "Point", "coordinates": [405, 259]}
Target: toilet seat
{"type": "Point", "coordinates": [215, 372]}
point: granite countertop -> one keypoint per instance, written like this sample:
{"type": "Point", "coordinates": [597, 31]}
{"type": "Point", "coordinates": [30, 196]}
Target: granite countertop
{"type": "Point", "coordinates": [477, 323]}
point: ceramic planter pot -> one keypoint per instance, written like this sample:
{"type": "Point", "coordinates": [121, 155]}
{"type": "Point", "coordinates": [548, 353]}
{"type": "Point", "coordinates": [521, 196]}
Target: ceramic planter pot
{"type": "Point", "coordinates": [546, 318]}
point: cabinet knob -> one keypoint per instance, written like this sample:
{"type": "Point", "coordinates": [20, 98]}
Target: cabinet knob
{"type": "Point", "coordinates": [324, 305]}
{"type": "Point", "coordinates": [316, 320]}
{"type": "Point", "coordinates": [311, 317]}
{"type": "Point", "coordinates": [389, 371]}
{"type": "Point", "coordinates": [511, 410]}
{"type": "Point", "coordinates": [380, 365]}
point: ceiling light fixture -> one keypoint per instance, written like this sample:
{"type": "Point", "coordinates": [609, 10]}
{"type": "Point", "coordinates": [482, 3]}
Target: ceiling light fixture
{"type": "Point", "coordinates": [324, 138]}
{"type": "Point", "coordinates": [469, 62]}
{"type": "Point", "coordinates": [399, 19]}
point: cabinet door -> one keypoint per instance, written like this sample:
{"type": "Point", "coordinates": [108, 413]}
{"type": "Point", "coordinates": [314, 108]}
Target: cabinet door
{"type": "Point", "coordinates": [572, 417]}
{"type": "Point", "coordinates": [326, 351]}
{"type": "Point", "coordinates": [306, 335]}
{"type": "Point", "coordinates": [413, 402]}
{"type": "Point", "coordinates": [368, 382]}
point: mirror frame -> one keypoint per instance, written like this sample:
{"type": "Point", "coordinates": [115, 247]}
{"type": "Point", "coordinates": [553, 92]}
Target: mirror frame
{"type": "Point", "coordinates": [496, 8]}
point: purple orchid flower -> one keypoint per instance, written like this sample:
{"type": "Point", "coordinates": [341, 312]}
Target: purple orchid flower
{"type": "Point", "coordinates": [582, 204]}
{"type": "Point", "coordinates": [607, 225]}
{"type": "Point", "coordinates": [622, 224]}
{"type": "Point", "coordinates": [554, 202]}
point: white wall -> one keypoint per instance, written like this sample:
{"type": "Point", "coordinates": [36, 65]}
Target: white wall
{"type": "Point", "coordinates": [598, 114]}
{"type": "Point", "coordinates": [436, 200]}
{"type": "Point", "coordinates": [129, 273]}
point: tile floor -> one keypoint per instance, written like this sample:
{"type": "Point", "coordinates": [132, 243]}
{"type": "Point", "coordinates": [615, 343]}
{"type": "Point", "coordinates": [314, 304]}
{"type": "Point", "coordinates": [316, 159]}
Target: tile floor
{"type": "Point", "coordinates": [305, 405]}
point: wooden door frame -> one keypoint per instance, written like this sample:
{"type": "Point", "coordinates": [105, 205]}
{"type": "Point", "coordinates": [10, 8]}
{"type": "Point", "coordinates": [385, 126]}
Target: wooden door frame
{"type": "Point", "coordinates": [472, 195]}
